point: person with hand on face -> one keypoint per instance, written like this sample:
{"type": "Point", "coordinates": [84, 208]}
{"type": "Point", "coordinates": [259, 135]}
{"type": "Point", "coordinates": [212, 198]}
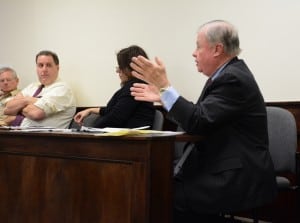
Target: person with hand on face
{"type": "Point", "coordinates": [47, 103]}
{"type": "Point", "coordinates": [8, 89]}
{"type": "Point", "coordinates": [122, 111]}
{"type": "Point", "coordinates": [231, 168]}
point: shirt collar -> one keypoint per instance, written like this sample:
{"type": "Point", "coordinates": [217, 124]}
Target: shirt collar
{"type": "Point", "coordinates": [9, 94]}
{"type": "Point", "coordinates": [219, 70]}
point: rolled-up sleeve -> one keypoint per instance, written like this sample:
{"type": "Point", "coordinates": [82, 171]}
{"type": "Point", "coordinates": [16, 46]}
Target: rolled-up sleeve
{"type": "Point", "coordinates": [56, 98]}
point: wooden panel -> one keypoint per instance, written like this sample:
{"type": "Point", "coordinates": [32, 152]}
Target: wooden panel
{"type": "Point", "coordinates": [66, 190]}
{"type": "Point", "coordinates": [79, 178]}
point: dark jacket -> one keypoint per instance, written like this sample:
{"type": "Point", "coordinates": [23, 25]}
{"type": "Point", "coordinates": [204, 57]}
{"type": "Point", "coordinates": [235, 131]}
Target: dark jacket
{"type": "Point", "coordinates": [122, 111]}
{"type": "Point", "coordinates": [231, 169]}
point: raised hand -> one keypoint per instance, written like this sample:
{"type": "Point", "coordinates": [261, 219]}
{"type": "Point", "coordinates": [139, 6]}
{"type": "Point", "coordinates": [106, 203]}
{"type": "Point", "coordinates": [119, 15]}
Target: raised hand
{"type": "Point", "coordinates": [151, 72]}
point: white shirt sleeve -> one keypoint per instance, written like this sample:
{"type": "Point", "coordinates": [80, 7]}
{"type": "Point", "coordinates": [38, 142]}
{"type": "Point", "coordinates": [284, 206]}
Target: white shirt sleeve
{"type": "Point", "coordinates": [58, 102]}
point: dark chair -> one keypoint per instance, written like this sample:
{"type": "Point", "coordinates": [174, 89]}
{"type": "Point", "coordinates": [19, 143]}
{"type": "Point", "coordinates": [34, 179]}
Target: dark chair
{"type": "Point", "coordinates": [283, 148]}
{"type": "Point", "coordinates": [282, 144]}
{"type": "Point", "coordinates": [88, 121]}
{"type": "Point", "coordinates": [282, 132]}
{"type": "Point", "coordinates": [158, 121]}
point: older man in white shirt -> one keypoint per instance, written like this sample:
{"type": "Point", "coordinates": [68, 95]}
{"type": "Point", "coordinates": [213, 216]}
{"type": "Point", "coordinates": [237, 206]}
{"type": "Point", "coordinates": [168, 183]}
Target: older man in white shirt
{"type": "Point", "coordinates": [8, 89]}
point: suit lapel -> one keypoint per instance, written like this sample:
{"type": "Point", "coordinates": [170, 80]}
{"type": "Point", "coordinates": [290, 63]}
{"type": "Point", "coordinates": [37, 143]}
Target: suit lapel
{"type": "Point", "coordinates": [209, 81]}
{"type": "Point", "coordinates": [207, 84]}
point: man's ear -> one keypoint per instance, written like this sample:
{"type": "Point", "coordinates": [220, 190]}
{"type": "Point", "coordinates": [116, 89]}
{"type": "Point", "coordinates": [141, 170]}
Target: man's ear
{"type": "Point", "coordinates": [219, 49]}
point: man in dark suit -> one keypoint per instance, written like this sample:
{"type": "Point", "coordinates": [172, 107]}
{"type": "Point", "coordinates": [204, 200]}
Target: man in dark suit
{"type": "Point", "coordinates": [231, 169]}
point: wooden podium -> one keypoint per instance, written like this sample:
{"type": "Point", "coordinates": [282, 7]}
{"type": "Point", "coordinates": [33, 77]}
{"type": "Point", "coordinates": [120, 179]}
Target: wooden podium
{"type": "Point", "coordinates": [81, 178]}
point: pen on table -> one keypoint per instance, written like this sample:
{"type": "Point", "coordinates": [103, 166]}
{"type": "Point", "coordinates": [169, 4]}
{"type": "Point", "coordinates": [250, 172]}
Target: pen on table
{"type": "Point", "coordinates": [60, 130]}
{"type": "Point", "coordinates": [142, 127]}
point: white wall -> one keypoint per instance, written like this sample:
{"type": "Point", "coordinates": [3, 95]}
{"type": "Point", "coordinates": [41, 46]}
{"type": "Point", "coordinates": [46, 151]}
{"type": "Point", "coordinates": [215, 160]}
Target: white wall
{"type": "Point", "coordinates": [86, 34]}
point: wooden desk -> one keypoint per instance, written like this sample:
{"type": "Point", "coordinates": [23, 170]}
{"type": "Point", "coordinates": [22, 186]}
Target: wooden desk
{"type": "Point", "coordinates": [79, 178]}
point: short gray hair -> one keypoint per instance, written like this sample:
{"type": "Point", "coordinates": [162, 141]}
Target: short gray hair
{"type": "Point", "coordinates": [5, 69]}
{"type": "Point", "coordinates": [221, 31]}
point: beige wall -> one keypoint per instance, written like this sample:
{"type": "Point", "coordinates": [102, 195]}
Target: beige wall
{"type": "Point", "coordinates": [86, 34]}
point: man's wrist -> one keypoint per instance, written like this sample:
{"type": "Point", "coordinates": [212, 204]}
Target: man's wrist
{"type": "Point", "coordinates": [163, 89]}
{"type": "Point", "coordinates": [168, 97]}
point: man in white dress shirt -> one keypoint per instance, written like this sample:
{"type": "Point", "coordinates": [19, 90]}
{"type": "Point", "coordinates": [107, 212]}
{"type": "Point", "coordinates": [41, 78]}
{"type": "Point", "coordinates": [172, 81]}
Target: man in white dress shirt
{"type": "Point", "coordinates": [49, 102]}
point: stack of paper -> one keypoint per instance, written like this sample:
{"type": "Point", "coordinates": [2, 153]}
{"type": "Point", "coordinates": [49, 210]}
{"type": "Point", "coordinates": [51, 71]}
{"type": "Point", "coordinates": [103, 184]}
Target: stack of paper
{"type": "Point", "coordinates": [125, 131]}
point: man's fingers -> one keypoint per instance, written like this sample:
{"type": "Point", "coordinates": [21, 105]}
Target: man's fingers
{"type": "Point", "coordinates": [136, 67]}
{"type": "Point", "coordinates": [141, 61]}
{"type": "Point", "coordinates": [138, 88]}
{"type": "Point", "coordinates": [139, 85]}
{"type": "Point", "coordinates": [138, 75]}
{"type": "Point", "coordinates": [138, 94]}
{"type": "Point", "coordinates": [140, 64]}
{"type": "Point", "coordinates": [158, 61]}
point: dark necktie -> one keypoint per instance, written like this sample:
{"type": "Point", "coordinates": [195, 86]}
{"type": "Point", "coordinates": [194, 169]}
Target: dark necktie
{"type": "Point", "coordinates": [207, 84]}
{"type": "Point", "coordinates": [40, 88]}
{"type": "Point", "coordinates": [19, 118]}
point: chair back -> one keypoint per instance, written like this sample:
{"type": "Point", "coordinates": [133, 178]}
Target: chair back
{"type": "Point", "coordinates": [158, 121]}
{"type": "Point", "coordinates": [282, 132]}
{"type": "Point", "coordinates": [88, 121]}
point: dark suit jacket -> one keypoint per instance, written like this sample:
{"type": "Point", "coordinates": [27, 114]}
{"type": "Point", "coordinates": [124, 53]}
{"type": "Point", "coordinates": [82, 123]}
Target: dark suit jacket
{"type": "Point", "coordinates": [231, 169]}
{"type": "Point", "coordinates": [122, 111]}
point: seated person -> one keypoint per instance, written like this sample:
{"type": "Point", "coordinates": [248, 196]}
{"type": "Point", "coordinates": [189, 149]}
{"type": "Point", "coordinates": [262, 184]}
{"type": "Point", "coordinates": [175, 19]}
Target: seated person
{"type": "Point", "coordinates": [122, 111]}
{"type": "Point", "coordinates": [230, 169]}
{"type": "Point", "coordinates": [49, 102]}
{"type": "Point", "coordinates": [8, 89]}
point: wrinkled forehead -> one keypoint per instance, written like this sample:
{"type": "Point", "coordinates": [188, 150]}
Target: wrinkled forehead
{"type": "Point", "coordinates": [201, 37]}
{"type": "Point", "coordinates": [45, 59]}
{"type": "Point", "coordinates": [6, 74]}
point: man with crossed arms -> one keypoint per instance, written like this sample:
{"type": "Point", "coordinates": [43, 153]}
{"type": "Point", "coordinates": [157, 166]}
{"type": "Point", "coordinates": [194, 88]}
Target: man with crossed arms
{"type": "Point", "coordinates": [54, 106]}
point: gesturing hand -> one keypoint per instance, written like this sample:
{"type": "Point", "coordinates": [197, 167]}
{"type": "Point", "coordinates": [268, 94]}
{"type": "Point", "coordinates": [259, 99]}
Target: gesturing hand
{"type": "Point", "coordinates": [151, 72]}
